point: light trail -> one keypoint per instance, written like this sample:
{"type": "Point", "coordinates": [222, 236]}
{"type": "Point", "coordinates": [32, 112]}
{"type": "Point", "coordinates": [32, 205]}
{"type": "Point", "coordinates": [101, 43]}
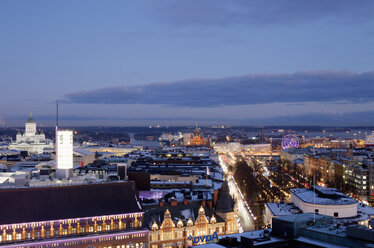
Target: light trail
{"type": "Point", "coordinates": [245, 214]}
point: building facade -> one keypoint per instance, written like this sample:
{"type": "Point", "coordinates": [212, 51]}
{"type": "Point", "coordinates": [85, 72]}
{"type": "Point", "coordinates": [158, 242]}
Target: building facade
{"type": "Point", "coordinates": [197, 139]}
{"type": "Point", "coordinates": [178, 233]}
{"type": "Point", "coordinates": [94, 215]}
{"type": "Point", "coordinates": [31, 141]}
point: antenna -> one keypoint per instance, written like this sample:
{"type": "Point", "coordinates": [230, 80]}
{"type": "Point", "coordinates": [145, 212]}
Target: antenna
{"type": "Point", "coordinates": [56, 115]}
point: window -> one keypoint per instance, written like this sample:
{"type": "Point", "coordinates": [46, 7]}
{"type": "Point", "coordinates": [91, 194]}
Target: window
{"type": "Point", "coordinates": [38, 234]}
{"type": "Point", "coordinates": [18, 236]}
{"type": "Point", "coordinates": [132, 224]}
{"type": "Point", "coordinates": [74, 230]}
{"type": "Point", "coordinates": [99, 228]}
{"type": "Point", "coordinates": [336, 214]}
{"type": "Point", "coordinates": [107, 227]}
{"type": "Point", "coordinates": [90, 229]}
{"type": "Point", "coordinates": [56, 232]}
{"type": "Point", "coordinates": [64, 231]}
{"type": "Point", "coordinates": [154, 237]}
{"type": "Point", "coordinates": [316, 210]}
{"type": "Point", "coordinates": [83, 229]}
{"type": "Point", "coordinates": [28, 235]}
{"type": "Point", "coordinates": [9, 237]}
{"type": "Point", "coordinates": [154, 246]}
{"type": "Point", "coordinates": [47, 233]}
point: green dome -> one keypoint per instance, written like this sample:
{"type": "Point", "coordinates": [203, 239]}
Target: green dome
{"type": "Point", "coordinates": [30, 120]}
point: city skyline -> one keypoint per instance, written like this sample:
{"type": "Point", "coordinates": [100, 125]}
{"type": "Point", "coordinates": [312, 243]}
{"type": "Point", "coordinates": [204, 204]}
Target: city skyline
{"type": "Point", "coordinates": [145, 62]}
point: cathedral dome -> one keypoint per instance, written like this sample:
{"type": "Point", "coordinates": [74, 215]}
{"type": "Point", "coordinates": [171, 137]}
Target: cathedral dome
{"type": "Point", "coordinates": [30, 120]}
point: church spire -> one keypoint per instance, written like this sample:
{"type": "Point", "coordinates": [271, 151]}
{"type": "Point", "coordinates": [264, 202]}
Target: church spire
{"type": "Point", "coordinates": [196, 129]}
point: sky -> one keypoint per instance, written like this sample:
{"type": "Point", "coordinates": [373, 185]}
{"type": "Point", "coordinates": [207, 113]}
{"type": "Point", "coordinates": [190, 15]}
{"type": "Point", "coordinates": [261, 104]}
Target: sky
{"type": "Point", "coordinates": [135, 63]}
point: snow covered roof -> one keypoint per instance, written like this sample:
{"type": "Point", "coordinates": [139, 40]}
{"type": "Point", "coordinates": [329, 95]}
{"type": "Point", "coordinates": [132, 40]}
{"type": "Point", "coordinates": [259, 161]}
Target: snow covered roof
{"type": "Point", "coordinates": [81, 151]}
{"type": "Point", "coordinates": [279, 209]}
{"type": "Point", "coordinates": [323, 196]}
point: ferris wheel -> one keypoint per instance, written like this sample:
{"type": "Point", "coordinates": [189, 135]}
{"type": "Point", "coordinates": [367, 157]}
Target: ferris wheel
{"type": "Point", "coordinates": [290, 141]}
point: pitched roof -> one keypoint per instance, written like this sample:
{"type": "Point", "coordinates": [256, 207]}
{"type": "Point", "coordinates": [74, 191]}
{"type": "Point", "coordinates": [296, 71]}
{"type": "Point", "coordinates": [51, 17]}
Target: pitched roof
{"type": "Point", "coordinates": [225, 203]}
{"type": "Point", "coordinates": [183, 212]}
{"type": "Point", "coordinates": [53, 203]}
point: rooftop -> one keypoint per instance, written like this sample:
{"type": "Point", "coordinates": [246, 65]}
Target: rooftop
{"type": "Point", "coordinates": [279, 209]}
{"type": "Point", "coordinates": [183, 212]}
{"type": "Point", "coordinates": [323, 196]}
{"type": "Point", "coordinates": [22, 205]}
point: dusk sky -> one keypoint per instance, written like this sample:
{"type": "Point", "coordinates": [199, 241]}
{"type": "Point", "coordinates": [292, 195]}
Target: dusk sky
{"type": "Point", "coordinates": [124, 63]}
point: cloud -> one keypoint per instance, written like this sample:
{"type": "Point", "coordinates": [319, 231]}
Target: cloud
{"type": "Point", "coordinates": [325, 87]}
{"type": "Point", "coordinates": [262, 12]}
{"type": "Point", "coordinates": [365, 118]}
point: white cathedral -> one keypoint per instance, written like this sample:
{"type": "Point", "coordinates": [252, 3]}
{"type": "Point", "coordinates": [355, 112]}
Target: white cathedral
{"type": "Point", "coordinates": [30, 140]}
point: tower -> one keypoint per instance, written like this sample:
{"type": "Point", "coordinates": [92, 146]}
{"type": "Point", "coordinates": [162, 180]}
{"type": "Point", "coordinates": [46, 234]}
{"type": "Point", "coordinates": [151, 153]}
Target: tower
{"type": "Point", "coordinates": [64, 151]}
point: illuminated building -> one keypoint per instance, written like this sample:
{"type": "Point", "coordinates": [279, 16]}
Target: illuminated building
{"type": "Point", "coordinates": [182, 225]}
{"type": "Point", "coordinates": [172, 232]}
{"type": "Point", "coordinates": [30, 140]}
{"type": "Point", "coordinates": [369, 141]}
{"type": "Point", "coordinates": [197, 139]}
{"type": "Point", "coordinates": [64, 153]}
{"type": "Point", "coordinates": [91, 215]}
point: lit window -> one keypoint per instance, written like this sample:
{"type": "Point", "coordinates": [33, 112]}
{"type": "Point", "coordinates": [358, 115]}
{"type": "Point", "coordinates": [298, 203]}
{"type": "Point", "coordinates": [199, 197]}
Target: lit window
{"type": "Point", "coordinates": [154, 237]}
{"type": "Point", "coordinates": [9, 237]}
{"type": "Point", "coordinates": [91, 229]}
{"type": "Point", "coordinates": [83, 229]}
{"type": "Point", "coordinates": [64, 231]}
{"type": "Point", "coordinates": [18, 236]}
{"type": "Point", "coordinates": [74, 230]}
{"type": "Point", "coordinates": [107, 227]}
{"type": "Point", "coordinates": [99, 228]}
